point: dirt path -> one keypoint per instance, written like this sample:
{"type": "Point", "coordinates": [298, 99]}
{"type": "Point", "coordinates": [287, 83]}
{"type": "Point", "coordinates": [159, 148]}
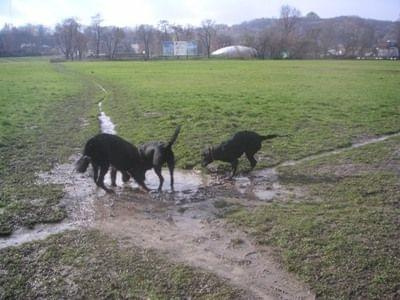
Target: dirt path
{"type": "Point", "coordinates": [184, 226]}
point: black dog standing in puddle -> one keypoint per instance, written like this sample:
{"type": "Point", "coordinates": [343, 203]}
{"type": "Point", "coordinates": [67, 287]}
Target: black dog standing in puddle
{"type": "Point", "coordinates": [107, 150]}
{"type": "Point", "coordinates": [248, 142]}
{"type": "Point", "coordinates": [154, 155]}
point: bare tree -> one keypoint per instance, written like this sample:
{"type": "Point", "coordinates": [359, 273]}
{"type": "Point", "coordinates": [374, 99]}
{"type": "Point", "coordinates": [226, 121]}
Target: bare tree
{"type": "Point", "coordinates": [223, 40]}
{"type": "Point", "coordinates": [307, 45]}
{"type": "Point", "coordinates": [326, 39]}
{"type": "Point", "coordinates": [188, 32]}
{"type": "Point", "coordinates": [308, 37]}
{"type": "Point", "coordinates": [7, 40]}
{"type": "Point", "coordinates": [397, 32]}
{"type": "Point", "coordinates": [97, 32]}
{"type": "Point", "coordinates": [261, 42]}
{"type": "Point", "coordinates": [80, 45]}
{"type": "Point", "coordinates": [177, 32]}
{"type": "Point", "coordinates": [366, 38]}
{"type": "Point", "coordinates": [112, 37]}
{"type": "Point", "coordinates": [66, 36]}
{"type": "Point", "coordinates": [165, 28]}
{"type": "Point", "coordinates": [288, 20]}
{"type": "Point", "coordinates": [207, 33]}
{"type": "Point", "coordinates": [145, 33]}
{"type": "Point", "coordinates": [356, 36]}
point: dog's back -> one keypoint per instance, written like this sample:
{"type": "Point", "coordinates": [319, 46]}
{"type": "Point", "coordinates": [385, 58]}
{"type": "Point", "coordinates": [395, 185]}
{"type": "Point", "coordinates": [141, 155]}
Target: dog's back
{"type": "Point", "coordinates": [248, 142]}
{"type": "Point", "coordinates": [241, 142]}
{"type": "Point", "coordinates": [105, 149]}
{"type": "Point", "coordinates": [156, 154]}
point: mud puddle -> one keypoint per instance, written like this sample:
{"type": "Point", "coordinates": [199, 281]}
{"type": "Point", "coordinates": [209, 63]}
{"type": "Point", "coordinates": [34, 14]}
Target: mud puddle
{"type": "Point", "coordinates": [182, 225]}
{"type": "Point", "coordinates": [39, 232]}
{"type": "Point", "coordinates": [264, 185]}
{"type": "Point", "coordinates": [260, 185]}
{"type": "Point", "coordinates": [186, 184]}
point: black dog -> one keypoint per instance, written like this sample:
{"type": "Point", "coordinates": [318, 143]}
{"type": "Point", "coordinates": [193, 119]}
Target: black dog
{"type": "Point", "coordinates": [156, 154]}
{"type": "Point", "coordinates": [104, 150]}
{"type": "Point", "coordinates": [247, 142]}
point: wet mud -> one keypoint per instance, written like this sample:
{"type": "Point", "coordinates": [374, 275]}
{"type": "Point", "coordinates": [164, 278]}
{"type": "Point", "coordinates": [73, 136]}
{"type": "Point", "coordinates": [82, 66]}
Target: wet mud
{"type": "Point", "coordinates": [183, 225]}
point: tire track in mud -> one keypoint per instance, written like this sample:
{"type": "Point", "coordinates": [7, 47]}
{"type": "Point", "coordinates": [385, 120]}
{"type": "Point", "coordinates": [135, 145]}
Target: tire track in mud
{"type": "Point", "coordinates": [183, 225]}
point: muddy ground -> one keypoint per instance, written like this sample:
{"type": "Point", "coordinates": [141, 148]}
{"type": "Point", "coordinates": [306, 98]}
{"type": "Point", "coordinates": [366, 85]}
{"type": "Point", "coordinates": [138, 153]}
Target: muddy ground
{"type": "Point", "coordinates": [185, 225]}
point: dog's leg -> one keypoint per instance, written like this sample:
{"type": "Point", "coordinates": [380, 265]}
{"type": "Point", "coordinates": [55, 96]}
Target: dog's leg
{"type": "Point", "coordinates": [171, 166]}
{"type": "Point", "coordinates": [142, 184]}
{"type": "Point", "coordinates": [234, 164]}
{"type": "Point", "coordinates": [252, 160]}
{"type": "Point", "coordinates": [113, 176]}
{"type": "Point", "coordinates": [100, 180]}
{"type": "Point", "coordinates": [158, 172]}
{"type": "Point", "coordinates": [95, 172]}
{"type": "Point", "coordinates": [125, 177]}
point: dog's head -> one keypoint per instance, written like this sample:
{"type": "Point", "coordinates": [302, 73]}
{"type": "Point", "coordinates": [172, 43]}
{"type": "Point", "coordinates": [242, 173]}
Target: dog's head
{"type": "Point", "coordinates": [206, 157]}
{"type": "Point", "coordinates": [138, 175]}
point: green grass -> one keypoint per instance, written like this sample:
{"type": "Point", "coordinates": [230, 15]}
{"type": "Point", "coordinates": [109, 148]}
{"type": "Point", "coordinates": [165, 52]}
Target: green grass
{"type": "Point", "coordinates": [42, 107]}
{"type": "Point", "coordinates": [343, 238]}
{"type": "Point", "coordinates": [90, 265]}
{"type": "Point", "coordinates": [322, 104]}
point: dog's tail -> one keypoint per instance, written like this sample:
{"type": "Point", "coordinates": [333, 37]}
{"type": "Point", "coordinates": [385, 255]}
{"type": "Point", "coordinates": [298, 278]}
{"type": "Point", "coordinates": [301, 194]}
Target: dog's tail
{"type": "Point", "coordinates": [174, 136]}
{"type": "Point", "coordinates": [271, 136]}
{"type": "Point", "coordinates": [82, 164]}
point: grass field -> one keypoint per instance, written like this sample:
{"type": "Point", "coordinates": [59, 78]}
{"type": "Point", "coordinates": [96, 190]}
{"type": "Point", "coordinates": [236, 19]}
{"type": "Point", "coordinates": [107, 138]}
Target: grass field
{"type": "Point", "coordinates": [342, 238]}
{"type": "Point", "coordinates": [42, 108]}
{"type": "Point", "coordinates": [90, 265]}
{"type": "Point", "coordinates": [321, 104]}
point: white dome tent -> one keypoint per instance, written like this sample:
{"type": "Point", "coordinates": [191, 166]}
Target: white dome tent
{"type": "Point", "coordinates": [236, 51]}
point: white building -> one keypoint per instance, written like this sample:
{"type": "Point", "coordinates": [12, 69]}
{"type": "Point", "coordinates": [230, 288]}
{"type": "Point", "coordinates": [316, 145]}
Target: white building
{"type": "Point", "coordinates": [236, 51]}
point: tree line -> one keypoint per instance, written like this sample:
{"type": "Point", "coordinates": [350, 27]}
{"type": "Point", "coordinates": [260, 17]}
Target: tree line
{"type": "Point", "coordinates": [291, 35]}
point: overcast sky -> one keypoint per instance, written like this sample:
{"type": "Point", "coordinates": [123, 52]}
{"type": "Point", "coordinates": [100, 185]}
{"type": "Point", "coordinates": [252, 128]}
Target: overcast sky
{"type": "Point", "coordinates": [131, 13]}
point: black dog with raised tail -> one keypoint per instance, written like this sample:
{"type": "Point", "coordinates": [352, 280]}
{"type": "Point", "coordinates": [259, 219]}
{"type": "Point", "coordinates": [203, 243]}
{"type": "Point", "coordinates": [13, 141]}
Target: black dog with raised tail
{"type": "Point", "coordinates": [156, 154]}
{"type": "Point", "coordinates": [248, 142]}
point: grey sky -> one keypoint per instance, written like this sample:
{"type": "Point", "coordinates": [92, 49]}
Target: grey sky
{"type": "Point", "coordinates": [131, 13]}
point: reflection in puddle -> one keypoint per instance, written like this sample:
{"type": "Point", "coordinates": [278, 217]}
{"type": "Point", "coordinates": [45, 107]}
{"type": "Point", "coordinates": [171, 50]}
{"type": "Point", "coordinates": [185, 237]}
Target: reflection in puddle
{"type": "Point", "coordinates": [185, 182]}
{"type": "Point", "coordinates": [262, 185]}
{"type": "Point", "coordinates": [39, 232]}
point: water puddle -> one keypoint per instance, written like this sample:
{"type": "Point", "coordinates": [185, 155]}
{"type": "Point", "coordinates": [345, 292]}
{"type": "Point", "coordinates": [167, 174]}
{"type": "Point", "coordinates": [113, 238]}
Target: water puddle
{"type": "Point", "coordinates": [186, 184]}
{"type": "Point", "coordinates": [106, 125]}
{"type": "Point", "coordinates": [264, 185]}
{"type": "Point", "coordinates": [101, 87]}
{"type": "Point", "coordinates": [39, 232]}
